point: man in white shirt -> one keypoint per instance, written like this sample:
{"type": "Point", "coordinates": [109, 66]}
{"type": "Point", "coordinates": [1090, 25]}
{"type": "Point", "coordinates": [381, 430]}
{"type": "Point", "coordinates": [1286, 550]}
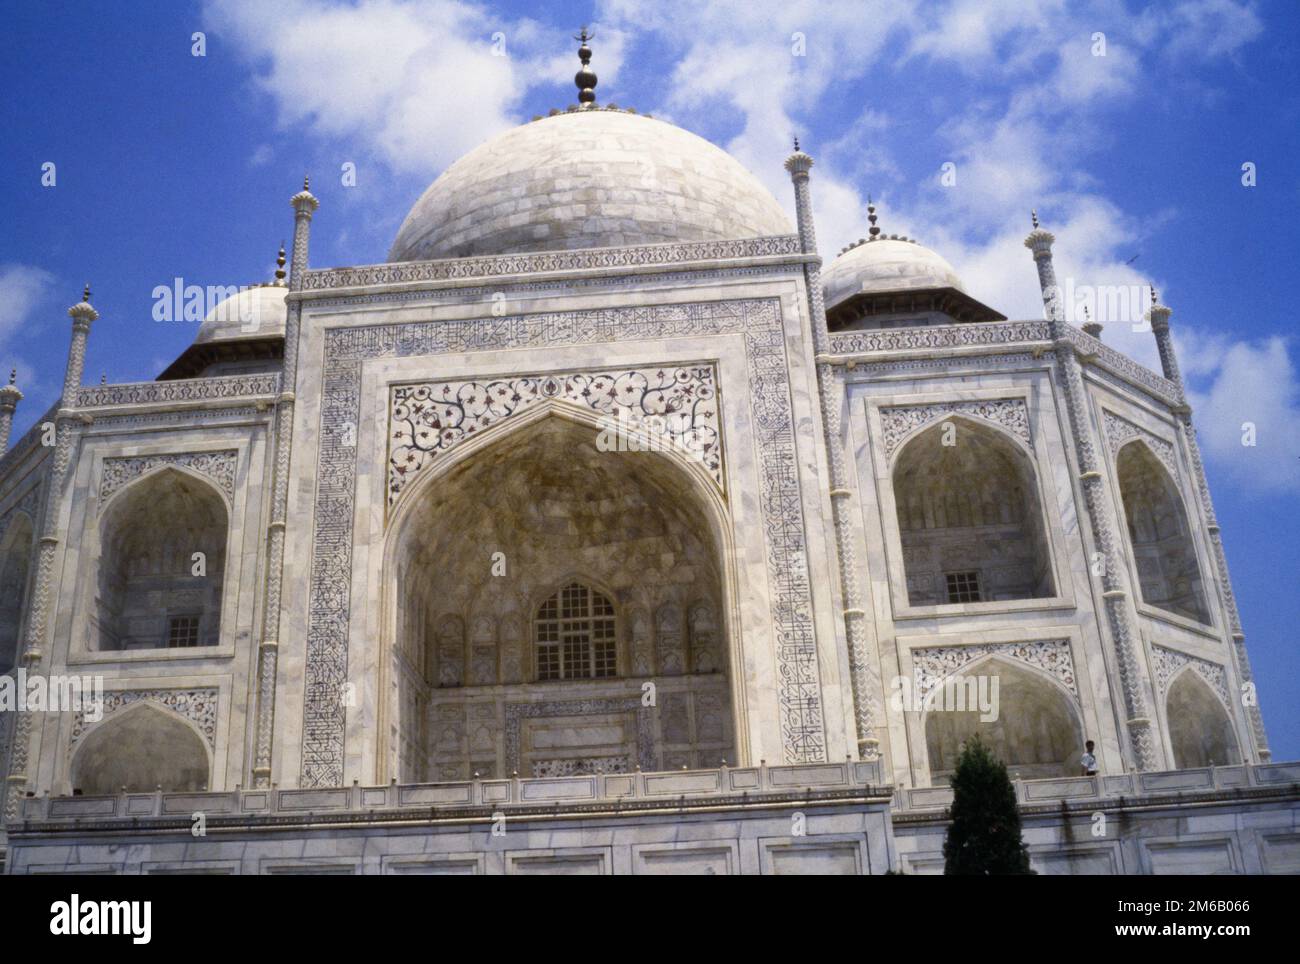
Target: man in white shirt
{"type": "Point", "coordinates": [1088, 761]}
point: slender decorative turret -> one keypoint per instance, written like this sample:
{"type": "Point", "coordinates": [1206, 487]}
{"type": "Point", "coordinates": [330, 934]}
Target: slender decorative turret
{"type": "Point", "coordinates": [867, 692]}
{"type": "Point", "coordinates": [1158, 315]}
{"type": "Point", "coordinates": [1146, 754]}
{"type": "Point", "coordinates": [10, 396]}
{"type": "Point", "coordinates": [1040, 243]}
{"type": "Point", "coordinates": [304, 206]}
{"type": "Point", "coordinates": [67, 426]}
{"type": "Point", "coordinates": [1093, 328]}
{"type": "Point", "coordinates": [82, 315]}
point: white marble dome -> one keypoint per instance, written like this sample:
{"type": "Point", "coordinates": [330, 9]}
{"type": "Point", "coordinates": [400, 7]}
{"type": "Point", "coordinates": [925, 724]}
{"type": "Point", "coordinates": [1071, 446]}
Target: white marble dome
{"type": "Point", "coordinates": [257, 312]}
{"type": "Point", "coordinates": [587, 178]}
{"type": "Point", "coordinates": [885, 265]}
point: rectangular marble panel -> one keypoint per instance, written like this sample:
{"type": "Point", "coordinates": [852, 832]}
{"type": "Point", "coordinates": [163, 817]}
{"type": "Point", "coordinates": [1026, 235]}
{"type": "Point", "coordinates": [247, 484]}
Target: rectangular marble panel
{"type": "Point", "coordinates": [1205, 856]}
{"type": "Point", "coordinates": [704, 858]}
{"type": "Point", "coordinates": [703, 781]}
{"type": "Point", "coordinates": [833, 774]}
{"type": "Point", "coordinates": [813, 855]}
{"type": "Point", "coordinates": [565, 863]}
{"type": "Point", "coordinates": [436, 794]}
{"type": "Point", "coordinates": [313, 799]}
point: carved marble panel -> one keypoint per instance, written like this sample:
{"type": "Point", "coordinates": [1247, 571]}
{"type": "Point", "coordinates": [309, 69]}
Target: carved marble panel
{"type": "Point", "coordinates": [939, 337]}
{"type": "Point", "coordinates": [515, 713]}
{"type": "Point", "coordinates": [217, 466]}
{"type": "Point", "coordinates": [898, 421]}
{"type": "Point", "coordinates": [674, 405]}
{"type": "Point", "coordinates": [198, 705]}
{"type": "Point", "coordinates": [934, 663]}
{"type": "Point", "coordinates": [1121, 430]}
{"type": "Point", "coordinates": [179, 390]}
{"type": "Point", "coordinates": [646, 255]}
{"type": "Point", "coordinates": [1169, 662]}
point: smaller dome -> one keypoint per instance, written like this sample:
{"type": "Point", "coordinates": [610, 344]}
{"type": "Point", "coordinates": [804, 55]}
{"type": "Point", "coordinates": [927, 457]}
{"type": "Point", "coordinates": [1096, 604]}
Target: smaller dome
{"type": "Point", "coordinates": [886, 265]}
{"type": "Point", "coordinates": [257, 312]}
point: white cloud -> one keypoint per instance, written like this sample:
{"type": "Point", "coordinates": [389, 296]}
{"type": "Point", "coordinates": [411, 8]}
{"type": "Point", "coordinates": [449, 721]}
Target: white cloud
{"type": "Point", "coordinates": [1252, 383]}
{"type": "Point", "coordinates": [261, 155]}
{"type": "Point", "coordinates": [1207, 29]}
{"type": "Point", "coordinates": [22, 289]}
{"type": "Point", "coordinates": [414, 84]}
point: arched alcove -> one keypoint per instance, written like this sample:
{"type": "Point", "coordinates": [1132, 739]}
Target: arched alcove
{"type": "Point", "coordinates": [1169, 575]}
{"type": "Point", "coordinates": [969, 517]}
{"type": "Point", "coordinates": [1200, 730]}
{"type": "Point", "coordinates": [1036, 733]}
{"type": "Point", "coordinates": [141, 748]}
{"type": "Point", "coordinates": [15, 568]}
{"type": "Point", "coordinates": [153, 591]}
{"type": "Point", "coordinates": [522, 579]}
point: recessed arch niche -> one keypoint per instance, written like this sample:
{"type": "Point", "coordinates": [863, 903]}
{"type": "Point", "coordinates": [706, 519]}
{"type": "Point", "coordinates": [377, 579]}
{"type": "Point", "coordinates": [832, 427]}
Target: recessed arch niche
{"type": "Point", "coordinates": [151, 591]}
{"type": "Point", "coordinates": [15, 570]}
{"type": "Point", "coordinates": [1169, 575]}
{"type": "Point", "coordinates": [1200, 731]}
{"type": "Point", "coordinates": [141, 748]}
{"type": "Point", "coordinates": [970, 518]}
{"type": "Point", "coordinates": [1037, 732]}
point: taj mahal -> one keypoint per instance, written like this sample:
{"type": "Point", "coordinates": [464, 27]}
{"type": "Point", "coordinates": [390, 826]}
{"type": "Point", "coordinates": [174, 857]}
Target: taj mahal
{"type": "Point", "coordinates": [370, 591]}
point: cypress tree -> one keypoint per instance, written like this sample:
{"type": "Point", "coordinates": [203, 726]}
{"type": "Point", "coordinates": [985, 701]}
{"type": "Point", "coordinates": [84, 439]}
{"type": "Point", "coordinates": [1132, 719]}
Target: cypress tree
{"type": "Point", "coordinates": [984, 836]}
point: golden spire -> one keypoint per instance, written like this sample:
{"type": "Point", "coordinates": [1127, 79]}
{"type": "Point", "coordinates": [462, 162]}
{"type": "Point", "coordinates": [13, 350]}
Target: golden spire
{"type": "Point", "coordinates": [279, 266]}
{"type": "Point", "coordinates": [586, 77]}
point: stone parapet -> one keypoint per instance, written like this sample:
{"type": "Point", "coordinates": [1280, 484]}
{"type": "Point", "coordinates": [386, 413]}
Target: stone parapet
{"type": "Point", "coordinates": [673, 791]}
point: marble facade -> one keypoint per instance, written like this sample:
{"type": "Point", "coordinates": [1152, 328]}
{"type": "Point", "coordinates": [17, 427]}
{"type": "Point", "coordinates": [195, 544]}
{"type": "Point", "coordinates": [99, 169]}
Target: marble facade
{"type": "Point", "coordinates": [418, 472]}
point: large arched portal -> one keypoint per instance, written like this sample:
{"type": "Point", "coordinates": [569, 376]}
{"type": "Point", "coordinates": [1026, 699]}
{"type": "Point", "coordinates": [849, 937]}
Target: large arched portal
{"type": "Point", "coordinates": [161, 567]}
{"type": "Point", "coordinates": [1036, 732]}
{"type": "Point", "coordinates": [969, 517]}
{"type": "Point", "coordinates": [540, 585]}
{"type": "Point", "coordinates": [1200, 731]}
{"type": "Point", "coordinates": [1168, 573]}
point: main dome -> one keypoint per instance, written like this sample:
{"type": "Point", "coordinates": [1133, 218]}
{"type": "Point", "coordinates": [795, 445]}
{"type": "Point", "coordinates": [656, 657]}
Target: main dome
{"type": "Point", "coordinates": [590, 177]}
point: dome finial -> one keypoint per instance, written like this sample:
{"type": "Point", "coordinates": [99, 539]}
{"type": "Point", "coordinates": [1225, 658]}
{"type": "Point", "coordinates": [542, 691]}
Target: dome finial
{"type": "Point", "coordinates": [1033, 216]}
{"type": "Point", "coordinates": [13, 376]}
{"type": "Point", "coordinates": [586, 77]}
{"type": "Point", "coordinates": [279, 266]}
{"type": "Point", "coordinates": [796, 142]}
{"type": "Point", "coordinates": [871, 216]}
{"type": "Point", "coordinates": [85, 294]}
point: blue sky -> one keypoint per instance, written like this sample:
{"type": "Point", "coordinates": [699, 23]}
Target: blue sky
{"type": "Point", "coordinates": [1126, 125]}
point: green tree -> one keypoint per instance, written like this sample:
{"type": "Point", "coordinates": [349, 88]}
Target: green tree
{"type": "Point", "coordinates": [984, 836]}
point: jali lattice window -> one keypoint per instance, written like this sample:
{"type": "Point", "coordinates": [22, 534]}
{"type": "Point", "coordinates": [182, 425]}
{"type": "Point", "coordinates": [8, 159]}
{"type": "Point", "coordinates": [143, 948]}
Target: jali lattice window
{"type": "Point", "coordinates": [575, 635]}
{"type": "Point", "coordinates": [183, 631]}
{"type": "Point", "coordinates": [963, 586]}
